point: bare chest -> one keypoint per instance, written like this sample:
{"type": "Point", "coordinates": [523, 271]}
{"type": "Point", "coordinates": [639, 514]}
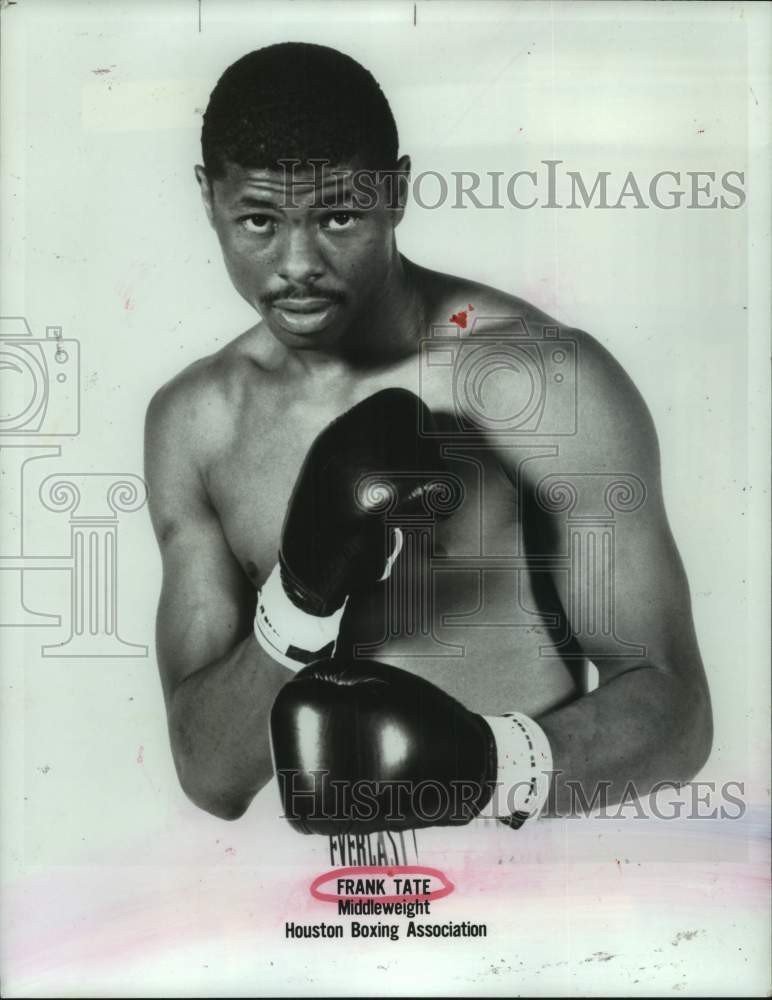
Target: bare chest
{"type": "Point", "coordinates": [461, 607]}
{"type": "Point", "coordinates": [251, 478]}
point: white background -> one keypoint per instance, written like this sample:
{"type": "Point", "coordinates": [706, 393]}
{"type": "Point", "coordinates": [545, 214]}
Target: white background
{"type": "Point", "coordinates": [103, 234]}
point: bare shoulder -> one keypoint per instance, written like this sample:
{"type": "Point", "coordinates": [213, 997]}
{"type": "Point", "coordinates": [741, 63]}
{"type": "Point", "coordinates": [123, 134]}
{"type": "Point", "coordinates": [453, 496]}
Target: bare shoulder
{"type": "Point", "coordinates": [590, 403]}
{"type": "Point", "coordinates": [193, 409]}
{"type": "Point", "coordinates": [473, 306]}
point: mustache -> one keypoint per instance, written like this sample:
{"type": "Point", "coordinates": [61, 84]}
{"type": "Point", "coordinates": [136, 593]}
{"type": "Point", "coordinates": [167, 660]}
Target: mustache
{"type": "Point", "coordinates": [331, 294]}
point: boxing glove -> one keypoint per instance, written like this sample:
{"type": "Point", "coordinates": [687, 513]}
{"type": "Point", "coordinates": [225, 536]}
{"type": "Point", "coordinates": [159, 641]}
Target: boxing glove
{"type": "Point", "coordinates": [363, 746]}
{"type": "Point", "coordinates": [372, 460]}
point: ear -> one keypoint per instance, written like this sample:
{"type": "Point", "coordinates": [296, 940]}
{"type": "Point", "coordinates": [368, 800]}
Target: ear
{"type": "Point", "coordinates": [207, 192]}
{"type": "Point", "coordinates": [401, 188]}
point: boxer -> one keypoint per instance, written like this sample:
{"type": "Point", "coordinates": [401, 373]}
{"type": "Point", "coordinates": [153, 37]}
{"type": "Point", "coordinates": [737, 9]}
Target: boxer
{"type": "Point", "coordinates": [293, 592]}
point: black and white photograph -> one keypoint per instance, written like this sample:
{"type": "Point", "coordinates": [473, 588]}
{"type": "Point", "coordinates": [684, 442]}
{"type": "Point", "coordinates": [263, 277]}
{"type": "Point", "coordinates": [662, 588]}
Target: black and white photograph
{"type": "Point", "coordinates": [384, 525]}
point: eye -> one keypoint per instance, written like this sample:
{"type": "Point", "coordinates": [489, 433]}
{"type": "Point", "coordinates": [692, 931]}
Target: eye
{"type": "Point", "coordinates": [261, 224]}
{"type": "Point", "coordinates": [339, 221]}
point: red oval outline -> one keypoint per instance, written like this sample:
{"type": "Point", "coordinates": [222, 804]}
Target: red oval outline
{"type": "Point", "coordinates": [326, 897]}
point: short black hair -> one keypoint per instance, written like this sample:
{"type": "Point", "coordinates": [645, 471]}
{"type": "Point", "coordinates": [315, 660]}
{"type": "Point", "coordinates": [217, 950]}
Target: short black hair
{"type": "Point", "coordinates": [296, 101]}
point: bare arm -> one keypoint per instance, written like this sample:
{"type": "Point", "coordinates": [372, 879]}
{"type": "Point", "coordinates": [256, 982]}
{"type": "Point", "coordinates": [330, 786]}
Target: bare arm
{"type": "Point", "coordinates": [218, 684]}
{"type": "Point", "coordinates": [626, 599]}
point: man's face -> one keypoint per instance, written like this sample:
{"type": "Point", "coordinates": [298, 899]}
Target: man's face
{"type": "Point", "coordinates": [309, 250]}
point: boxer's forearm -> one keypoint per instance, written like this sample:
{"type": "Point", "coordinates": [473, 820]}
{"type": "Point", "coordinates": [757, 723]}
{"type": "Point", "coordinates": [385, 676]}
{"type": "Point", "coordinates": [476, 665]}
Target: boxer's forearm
{"type": "Point", "coordinates": [640, 728]}
{"type": "Point", "coordinates": [218, 726]}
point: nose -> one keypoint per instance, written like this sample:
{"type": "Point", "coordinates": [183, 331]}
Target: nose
{"type": "Point", "coordinates": [300, 260]}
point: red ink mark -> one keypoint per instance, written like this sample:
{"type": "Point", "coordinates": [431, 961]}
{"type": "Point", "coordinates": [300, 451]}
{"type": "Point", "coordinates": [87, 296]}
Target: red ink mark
{"type": "Point", "coordinates": [141, 755]}
{"type": "Point", "coordinates": [127, 303]}
{"type": "Point", "coordinates": [460, 318]}
{"type": "Point", "coordinates": [398, 871]}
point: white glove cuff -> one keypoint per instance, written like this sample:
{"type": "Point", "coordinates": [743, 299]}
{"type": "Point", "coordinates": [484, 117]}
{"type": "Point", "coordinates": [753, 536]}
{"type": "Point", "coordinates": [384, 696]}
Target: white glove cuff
{"type": "Point", "coordinates": [524, 771]}
{"type": "Point", "coordinates": [292, 636]}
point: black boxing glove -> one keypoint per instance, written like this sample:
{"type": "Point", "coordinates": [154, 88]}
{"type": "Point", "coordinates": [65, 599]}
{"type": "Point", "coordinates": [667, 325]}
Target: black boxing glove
{"type": "Point", "coordinates": [370, 460]}
{"type": "Point", "coordinates": [360, 746]}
